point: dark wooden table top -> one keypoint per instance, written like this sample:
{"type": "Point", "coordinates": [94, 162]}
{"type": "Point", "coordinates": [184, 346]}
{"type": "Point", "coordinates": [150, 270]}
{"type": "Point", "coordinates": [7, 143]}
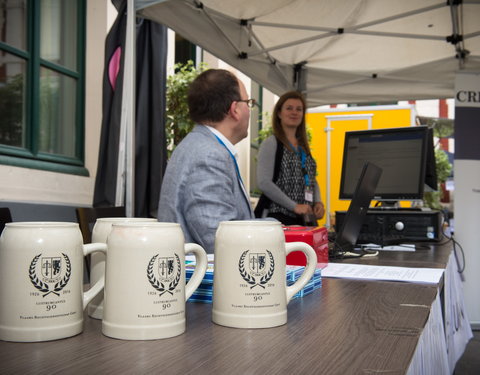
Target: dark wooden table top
{"type": "Point", "coordinates": [426, 255]}
{"type": "Point", "coordinates": [345, 327]}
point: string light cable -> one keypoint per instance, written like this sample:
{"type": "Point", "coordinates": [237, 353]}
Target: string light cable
{"type": "Point", "coordinates": [457, 247]}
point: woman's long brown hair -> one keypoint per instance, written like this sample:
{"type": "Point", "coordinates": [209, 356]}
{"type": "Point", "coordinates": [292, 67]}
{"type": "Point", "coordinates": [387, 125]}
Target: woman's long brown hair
{"type": "Point", "coordinates": [301, 132]}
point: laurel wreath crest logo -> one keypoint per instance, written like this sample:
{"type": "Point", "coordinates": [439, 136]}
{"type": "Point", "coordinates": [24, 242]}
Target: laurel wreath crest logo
{"type": "Point", "coordinates": [160, 286]}
{"type": "Point", "coordinates": [45, 287]}
{"type": "Point", "coordinates": [251, 279]}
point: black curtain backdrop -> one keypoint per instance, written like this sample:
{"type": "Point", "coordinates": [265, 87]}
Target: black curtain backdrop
{"type": "Point", "coordinates": [150, 143]}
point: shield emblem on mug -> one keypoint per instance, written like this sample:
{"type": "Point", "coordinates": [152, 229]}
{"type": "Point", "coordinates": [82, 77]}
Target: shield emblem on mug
{"type": "Point", "coordinates": [51, 267]}
{"type": "Point", "coordinates": [166, 268]}
{"type": "Point", "coordinates": [257, 262]}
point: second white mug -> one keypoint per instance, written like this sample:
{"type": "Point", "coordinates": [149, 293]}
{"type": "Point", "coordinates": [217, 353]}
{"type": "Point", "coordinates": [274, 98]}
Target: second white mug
{"type": "Point", "coordinates": [100, 233]}
{"type": "Point", "coordinates": [145, 289]}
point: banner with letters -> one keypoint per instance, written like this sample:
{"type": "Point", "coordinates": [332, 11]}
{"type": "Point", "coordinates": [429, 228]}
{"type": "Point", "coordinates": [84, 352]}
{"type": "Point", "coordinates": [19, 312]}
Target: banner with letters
{"type": "Point", "coordinates": [467, 184]}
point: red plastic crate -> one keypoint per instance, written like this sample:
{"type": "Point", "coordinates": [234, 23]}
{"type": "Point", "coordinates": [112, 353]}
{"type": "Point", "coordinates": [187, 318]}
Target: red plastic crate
{"type": "Point", "coordinates": [316, 237]}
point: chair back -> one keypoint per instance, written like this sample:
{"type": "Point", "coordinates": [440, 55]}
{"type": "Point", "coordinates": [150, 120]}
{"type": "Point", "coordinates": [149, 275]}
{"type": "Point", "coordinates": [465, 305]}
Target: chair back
{"type": "Point", "coordinates": [86, 217]}
{"type": "Point", "coordinates": [5, 217]}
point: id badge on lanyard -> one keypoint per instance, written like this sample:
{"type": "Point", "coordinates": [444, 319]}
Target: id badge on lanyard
{"type": "Point", "coordinates": [309, 194]}
{"type": "Point", "coordinates": [308, 186]}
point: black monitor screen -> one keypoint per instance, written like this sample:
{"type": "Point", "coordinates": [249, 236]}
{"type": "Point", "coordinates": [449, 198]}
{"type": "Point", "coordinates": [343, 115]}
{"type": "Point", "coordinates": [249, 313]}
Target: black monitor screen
{"type": "Point", "coordinates": [401, 153]}
{"type": "Point", "coordinates": [431, 182]}
{"type": "Point", "coordinates": [347, 235]}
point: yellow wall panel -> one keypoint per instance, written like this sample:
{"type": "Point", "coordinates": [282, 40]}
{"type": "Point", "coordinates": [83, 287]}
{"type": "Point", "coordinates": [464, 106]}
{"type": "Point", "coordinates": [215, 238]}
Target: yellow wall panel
{"type": "Point", "coordinates": [327, 128]}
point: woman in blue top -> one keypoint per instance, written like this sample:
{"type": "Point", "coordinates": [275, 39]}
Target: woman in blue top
{"type": "Point", "coordinates": [286, 170]}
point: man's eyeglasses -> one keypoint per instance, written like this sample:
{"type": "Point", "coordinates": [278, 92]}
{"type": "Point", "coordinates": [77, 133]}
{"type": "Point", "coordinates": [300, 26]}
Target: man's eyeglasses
{"type": "Point", "coordinates": [250, 102]}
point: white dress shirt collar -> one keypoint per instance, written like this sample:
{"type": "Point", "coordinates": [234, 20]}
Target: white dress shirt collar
{"type": "Point", "coordinates": [227, 143]}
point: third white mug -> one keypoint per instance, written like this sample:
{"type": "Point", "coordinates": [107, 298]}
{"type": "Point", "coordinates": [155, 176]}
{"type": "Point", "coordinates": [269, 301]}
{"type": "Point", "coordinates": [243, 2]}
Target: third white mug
{"type": "Point", "coordinates": [249, 284]}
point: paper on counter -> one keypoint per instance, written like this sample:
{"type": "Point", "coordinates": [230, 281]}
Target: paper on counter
{"type": "Point", "coordinates": [386, 273]}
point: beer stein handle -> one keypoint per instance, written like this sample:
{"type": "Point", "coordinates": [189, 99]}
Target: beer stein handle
{"type": "Point", "coordinates": [200, 268]}
{"type": "Point", "coordinates": [98, 286]}
{"type": "Point", "coordinates": [309, 268]}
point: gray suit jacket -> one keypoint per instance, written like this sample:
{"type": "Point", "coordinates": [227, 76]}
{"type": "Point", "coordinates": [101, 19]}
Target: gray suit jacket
{"type": "Point", "coordinates": [201, 188]}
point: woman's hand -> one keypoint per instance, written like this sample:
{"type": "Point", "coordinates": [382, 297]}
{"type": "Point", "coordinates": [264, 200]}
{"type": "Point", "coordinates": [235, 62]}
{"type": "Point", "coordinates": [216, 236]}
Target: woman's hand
{"type": "Point", "coordinates": [319, 210]}
{"type": "Point", "coordinates": [302, 209]}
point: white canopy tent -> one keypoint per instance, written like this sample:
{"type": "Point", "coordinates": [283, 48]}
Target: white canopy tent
{"type": "Point", "coordinates": [335, 51]}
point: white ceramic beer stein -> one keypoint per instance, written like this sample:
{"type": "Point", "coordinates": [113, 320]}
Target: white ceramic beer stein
{"type": "Point", "coordinates": [145, 289]}
{"type": "Point", "coordinates": [41, 281]}
{"type": "Point", "coordinates": [249, 283]}
{"type": "Point", "coordinates": [100, 232]}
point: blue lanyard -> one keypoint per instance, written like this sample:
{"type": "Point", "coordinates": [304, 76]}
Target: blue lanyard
{"type": "Point", "coordinates": [303, 158]}
{"type": "Point", "coordinates": [233, 158]}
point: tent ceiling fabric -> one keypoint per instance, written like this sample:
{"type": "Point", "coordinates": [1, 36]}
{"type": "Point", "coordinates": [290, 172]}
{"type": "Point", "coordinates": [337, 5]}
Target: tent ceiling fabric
{"type": "Point", "coordinates": [336, 51]}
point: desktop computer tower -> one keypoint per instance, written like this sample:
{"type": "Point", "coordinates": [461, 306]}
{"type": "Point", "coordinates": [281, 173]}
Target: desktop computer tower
{"type": "Point", "coordinates": [390, 227]}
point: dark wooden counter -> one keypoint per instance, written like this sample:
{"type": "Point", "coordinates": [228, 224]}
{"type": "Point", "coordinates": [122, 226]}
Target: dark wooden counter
{"type": "Point", "coordinates": [426, 255]}
{"type": "Point", "coordinates": [346, 327]}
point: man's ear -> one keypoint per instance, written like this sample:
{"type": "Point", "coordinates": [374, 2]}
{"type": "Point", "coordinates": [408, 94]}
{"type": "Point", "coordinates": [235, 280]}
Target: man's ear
{"type": "Point", "coordinates": [234, 111]}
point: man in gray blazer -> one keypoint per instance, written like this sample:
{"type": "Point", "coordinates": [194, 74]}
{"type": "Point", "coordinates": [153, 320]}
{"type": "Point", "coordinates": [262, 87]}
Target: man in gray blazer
{"type": "Point", "coordinates": [202, 185]}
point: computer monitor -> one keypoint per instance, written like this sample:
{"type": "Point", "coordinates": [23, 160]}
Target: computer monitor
{"type": "Point", "coordinates": [404, 155]}
{"type": "Point", "coordinates": [431, 182]}
{"type": "Point", "coordinates": [347, 236]}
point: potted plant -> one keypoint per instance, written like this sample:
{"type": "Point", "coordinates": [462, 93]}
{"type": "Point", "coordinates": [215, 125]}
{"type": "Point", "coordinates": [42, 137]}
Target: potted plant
{"type": "Point", "coordinates": [441, 128]}
{"type": "Point", "coordinates": [178, 123]}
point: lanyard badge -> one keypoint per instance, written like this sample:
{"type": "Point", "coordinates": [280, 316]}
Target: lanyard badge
{"type": "Point", "coordinates": [308, 194]}
{"type": "Point", "coordinates": [308, 187]}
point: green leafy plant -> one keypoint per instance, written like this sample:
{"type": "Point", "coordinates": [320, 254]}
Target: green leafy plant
{"type": "Point", "coordinates": [441, 128]}
{"type": "Point", "coordinates": [444, 168]}
{"type": "Point", "coordinates": [266, 130]}
{"type": "Point", "coordinates": [178, 123]}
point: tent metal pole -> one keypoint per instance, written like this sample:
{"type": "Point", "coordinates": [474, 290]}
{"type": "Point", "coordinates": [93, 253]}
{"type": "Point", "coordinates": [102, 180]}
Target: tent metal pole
{"type": "Point", "coordinates": [361, 26]}
{"type": "Point", "coordinates": [120, 183]}
{"type": "Point", "coordinates": [251, 34]}
{"type": "Point", "coordinates": [219, 29]}
{"type": "Point", "coordinates": [130, 70]}
{"type": "Point", "coordinates": [400, 16]}
{"type": "Point", "coordinates": [126, 155]}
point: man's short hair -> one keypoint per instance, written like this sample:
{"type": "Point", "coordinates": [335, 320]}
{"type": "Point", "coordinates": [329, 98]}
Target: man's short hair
{"type": "Point", "coordinates": [211, 94]}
